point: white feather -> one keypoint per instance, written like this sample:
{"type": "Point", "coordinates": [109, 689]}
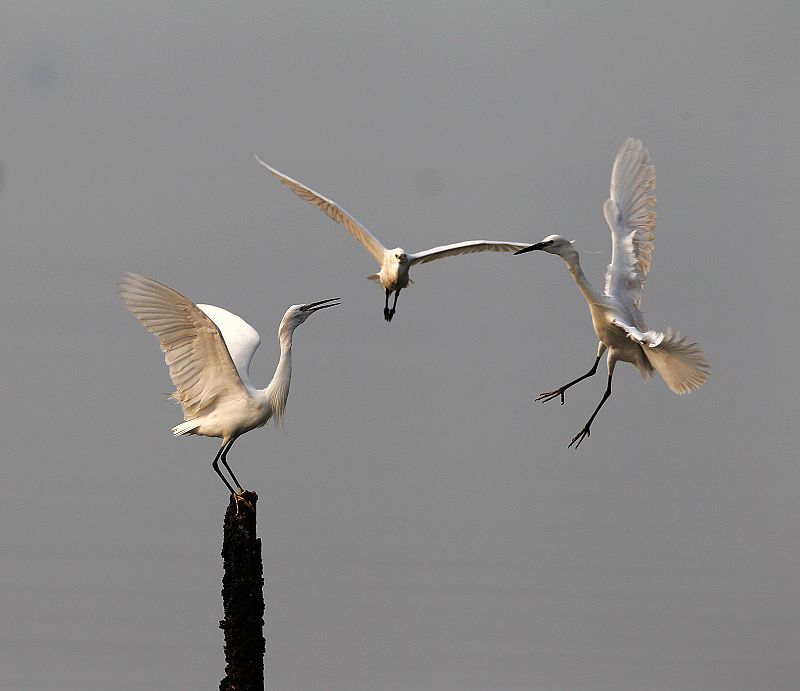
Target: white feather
{"type": "Point", "coordinates": [631, 216]}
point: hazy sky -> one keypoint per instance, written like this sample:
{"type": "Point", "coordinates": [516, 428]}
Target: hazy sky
{"type": "Point", "coordinates": [425, 527]}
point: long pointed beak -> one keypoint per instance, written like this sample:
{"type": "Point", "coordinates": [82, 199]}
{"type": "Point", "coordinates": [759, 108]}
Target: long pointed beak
{"type": "Point", "coordinates": [537, 246]}
{"type": "Point", "coordinates": [321, 305]}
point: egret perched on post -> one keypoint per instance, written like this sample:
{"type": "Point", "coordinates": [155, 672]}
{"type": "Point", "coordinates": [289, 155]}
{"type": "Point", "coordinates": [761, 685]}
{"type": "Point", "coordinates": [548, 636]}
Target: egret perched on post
{"type": "Point", "coordinates": [394, 263]}
{"type": "Point", "coordinates": [616, 316]}
{"type": "Point", "coordinates": [208, 351]}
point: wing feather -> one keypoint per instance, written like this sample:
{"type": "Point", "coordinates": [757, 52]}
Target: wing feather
{"type": "Point", "coordinates": [630, 213]}
{"type": "Point", "coordinates": [333, 211]}
{"type": "Point", "coordinates": [200, 365]}
{"type": "Point", "coordinates": [468, 247]}
{"type": "Point", "coordinates": [240, 338]}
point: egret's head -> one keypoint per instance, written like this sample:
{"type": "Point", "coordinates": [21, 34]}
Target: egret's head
{"type": "Point", "coordinates": [554, 244]}
{"type": "Point", "coordinates": [399, 255]}
{"type": "Point", "coordinates": [297, 314]}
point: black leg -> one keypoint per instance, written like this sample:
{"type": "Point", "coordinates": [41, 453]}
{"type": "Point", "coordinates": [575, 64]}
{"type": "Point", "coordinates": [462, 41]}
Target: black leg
{"type": "Point", "coordinates": [215, 464]}
{"type": "Point", "coordinates": [386, 306]}
{"type": "Point", "coordinates": [224, 459]}
{"type": "Point", "coordinates": [550, 395]}
{"type": "Point", "coordinates": [390, 313]}
{"type": "Point", "coordinates": [585, 432]}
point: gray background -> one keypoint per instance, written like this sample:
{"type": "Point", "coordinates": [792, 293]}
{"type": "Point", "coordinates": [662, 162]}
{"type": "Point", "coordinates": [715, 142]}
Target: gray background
{"type": "Point", "coordinates": [424, 525]}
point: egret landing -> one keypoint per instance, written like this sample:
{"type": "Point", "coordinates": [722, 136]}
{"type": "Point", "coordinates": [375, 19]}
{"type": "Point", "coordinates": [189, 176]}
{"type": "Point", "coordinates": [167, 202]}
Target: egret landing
{"type": "Point", "coordinates": [208, 351]}
{"type": "Point", "coordinates": [616, 315]}
{"type": "Point", "coordinates": [394, 263]}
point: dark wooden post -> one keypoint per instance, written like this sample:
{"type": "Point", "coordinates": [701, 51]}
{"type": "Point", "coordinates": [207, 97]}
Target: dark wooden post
{"type": "Point", "coordinates": [243, 598]}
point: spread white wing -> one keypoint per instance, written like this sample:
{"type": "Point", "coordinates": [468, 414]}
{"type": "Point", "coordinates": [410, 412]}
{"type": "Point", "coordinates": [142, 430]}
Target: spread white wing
{"type": "Point", "coordinates": [631, 215]}
{"type": "Point", "coordinates": [467, 247]}
{"type": "Point", "coordinates": [240, 338]}
{"type": "Point", "coordinates": [200, 364]}
{"type": "Point", "coordinates": [333, 211]}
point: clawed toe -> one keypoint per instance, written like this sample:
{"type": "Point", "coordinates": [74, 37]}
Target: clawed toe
{"type": "Point", "coordinates": [550, 395]}
{"type": "Point", "coordinates": [579, 437]}
{"type": "Point", "coordinates": [238, 496]}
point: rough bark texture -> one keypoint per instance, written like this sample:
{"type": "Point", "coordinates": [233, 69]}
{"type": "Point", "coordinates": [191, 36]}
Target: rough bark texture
{"type": "Point", "coordinates": [243, 598]}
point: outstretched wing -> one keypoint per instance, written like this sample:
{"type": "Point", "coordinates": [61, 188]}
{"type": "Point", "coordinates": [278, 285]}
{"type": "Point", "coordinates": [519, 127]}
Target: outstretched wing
{"type": "Point", "coordinates": [333, 211]}
{"type": "Point", "coordinates": [631, 215]}
{"type": "Point", "coordinates": [468, 247]}
{"type": "Point", "coordinates": [240, 338]}
{"type": "Point", "coordinates": [200, 365]}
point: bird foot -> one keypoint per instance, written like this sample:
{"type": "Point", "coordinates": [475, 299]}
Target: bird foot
{"type": "Point", "coordinates": [579, 437]}
{"type": "Point", "coordinates": [238, 496]}
{"type": "Point", "coordinates": [388, 314]}
{"type": "Point", "coordinates": [550, 395]}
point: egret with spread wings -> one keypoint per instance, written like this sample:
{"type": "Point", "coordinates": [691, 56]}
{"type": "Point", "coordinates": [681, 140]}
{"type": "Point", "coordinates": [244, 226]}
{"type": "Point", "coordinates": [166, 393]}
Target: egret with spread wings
{"type": "Point", "coordinates": [208, 351]}
{"type": "Point", "coordinates": [616, 312]}
{"type": "Point", "coordinates": [394, 263]}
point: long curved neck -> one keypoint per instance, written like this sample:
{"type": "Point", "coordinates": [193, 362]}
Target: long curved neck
{"type": "Point", "coordinates": [277, 392]}
{"type": "Point", "coordinates": [587, 289]}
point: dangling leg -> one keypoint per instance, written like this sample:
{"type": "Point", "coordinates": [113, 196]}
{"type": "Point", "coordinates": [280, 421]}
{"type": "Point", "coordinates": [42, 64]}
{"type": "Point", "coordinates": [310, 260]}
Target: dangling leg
{"type": "Point", "coordinates": [585, 432]}
{"type": "Point", "coordinates": [224, 459]}
{"type": "Point", "coordinates": [215, 464]}
{"type": "Point", "coordinates": [386, 306]}
{"type": "Point", "coordinates": [550, 395]}
{"type": "Point", "coordinates": [390, 314]}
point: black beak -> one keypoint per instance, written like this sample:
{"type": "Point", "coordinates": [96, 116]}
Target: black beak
{"type": "Point", "coordinates": [537, 246]}
{"type": "Point", "coordinates": [321, 305]}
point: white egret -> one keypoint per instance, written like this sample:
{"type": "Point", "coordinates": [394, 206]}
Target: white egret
{"type": "Point", "coordinates": [208, 351]}
{"type": "Point", "coordinates": [616, 316]}
{"type": "Point", "coordinates": [394, 263]}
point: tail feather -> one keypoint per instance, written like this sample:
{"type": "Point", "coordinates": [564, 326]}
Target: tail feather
{"type": "Point", "coordinates": [681, 364]}
{"type": "Point", "coordinates": [185, 428]}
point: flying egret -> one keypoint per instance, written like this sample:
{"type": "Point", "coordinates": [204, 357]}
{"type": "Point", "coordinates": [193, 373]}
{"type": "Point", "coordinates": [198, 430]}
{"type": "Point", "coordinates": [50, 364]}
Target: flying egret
{"type": "Point", "coordinates": [394, 263]}
{"type": "Point", "coordinates": [616, 316]}
{"type": "Point", "coordinates": [208, 351]}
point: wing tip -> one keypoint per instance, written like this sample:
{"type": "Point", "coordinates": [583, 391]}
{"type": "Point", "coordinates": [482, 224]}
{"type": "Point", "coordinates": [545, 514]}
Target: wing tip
{"type": "Point", "coordinates": [263, 163]}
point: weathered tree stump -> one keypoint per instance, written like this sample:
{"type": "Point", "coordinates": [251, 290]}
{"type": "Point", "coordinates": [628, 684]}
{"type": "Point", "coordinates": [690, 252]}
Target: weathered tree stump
{"type": "Point", "coordinates": [243, 597]}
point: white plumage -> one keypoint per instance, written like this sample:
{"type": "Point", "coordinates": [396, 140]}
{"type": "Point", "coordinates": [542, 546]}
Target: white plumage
{"type": "Point", "coordinates": [208, 351]}
{"type": "Point", "coordinates": [616, 313]}
{"type": "Point", "coordinates": [395, 263]}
